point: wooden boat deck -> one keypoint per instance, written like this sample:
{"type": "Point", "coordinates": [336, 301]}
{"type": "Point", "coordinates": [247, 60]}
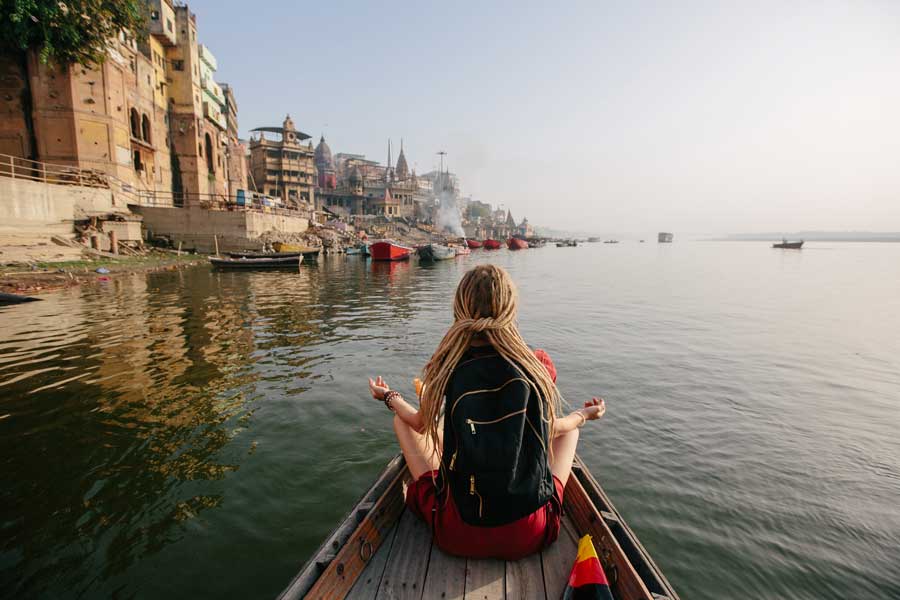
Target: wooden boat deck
{"type": "Point", "coordinates": [409, 565]}
{"type": "Point", "coordinates": [382, 551]}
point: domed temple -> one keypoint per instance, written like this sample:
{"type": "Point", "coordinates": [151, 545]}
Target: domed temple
{"type": "Point", "coordinates": [327, 178]}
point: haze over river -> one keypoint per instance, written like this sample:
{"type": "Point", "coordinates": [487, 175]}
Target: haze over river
{"type": "Point", "coordinates": [197, 434]}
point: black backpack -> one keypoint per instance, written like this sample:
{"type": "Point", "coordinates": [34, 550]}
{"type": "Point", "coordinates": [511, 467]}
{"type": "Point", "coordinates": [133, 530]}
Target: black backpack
{"type": "Point", "coordinates": [495, 457]}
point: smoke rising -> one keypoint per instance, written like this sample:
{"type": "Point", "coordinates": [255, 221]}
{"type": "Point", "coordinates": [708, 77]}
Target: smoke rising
{"type": "Point", "coordinates": [448, 217]}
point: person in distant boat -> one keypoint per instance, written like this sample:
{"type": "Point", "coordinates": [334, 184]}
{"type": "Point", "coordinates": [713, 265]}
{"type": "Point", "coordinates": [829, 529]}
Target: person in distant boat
{"type": "Point", "coordinates": [488, 451]}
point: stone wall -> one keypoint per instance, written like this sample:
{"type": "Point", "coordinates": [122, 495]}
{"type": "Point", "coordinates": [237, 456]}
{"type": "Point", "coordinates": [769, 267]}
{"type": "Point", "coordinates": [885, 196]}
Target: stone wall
{"type": "Point", "coordinates": [198, 228]}
{"type": "Point", "coordinates": [49, 208]}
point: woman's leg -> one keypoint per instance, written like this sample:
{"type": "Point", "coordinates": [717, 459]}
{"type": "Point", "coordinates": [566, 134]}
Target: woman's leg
{"type": "Point", "coordinates": [563, 455]}
{"type": "Point", "coordinates": [417, 449]}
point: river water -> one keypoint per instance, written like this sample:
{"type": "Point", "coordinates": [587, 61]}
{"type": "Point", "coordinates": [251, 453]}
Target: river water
{"type": "Point", "coordinates": [197, 433]}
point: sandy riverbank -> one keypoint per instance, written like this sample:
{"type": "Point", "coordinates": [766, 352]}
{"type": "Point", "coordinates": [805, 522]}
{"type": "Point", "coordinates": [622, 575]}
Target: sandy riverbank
{"type": "Point", "coordinates": [36, 278]}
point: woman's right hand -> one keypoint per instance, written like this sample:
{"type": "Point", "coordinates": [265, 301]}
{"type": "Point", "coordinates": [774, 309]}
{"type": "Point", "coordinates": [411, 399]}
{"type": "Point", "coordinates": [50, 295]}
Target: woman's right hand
{"type": "Point", "coordinates": [593, 409]}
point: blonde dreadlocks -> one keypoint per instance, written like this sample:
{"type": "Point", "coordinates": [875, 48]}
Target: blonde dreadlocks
{"type": "Point", "coordinates": [485, 305]}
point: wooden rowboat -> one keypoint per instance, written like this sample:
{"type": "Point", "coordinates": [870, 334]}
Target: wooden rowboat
{"type": "Point", "coordinates": [490, 244]}
{"type": "Point", "coordinates": [288, 262]}
{"type": "Point", "coordinates": [789, 245]}
{"type": "Point", "coordinates": [381, 550]}
{"type": "Point", "coordinates": [516, 244]}
{"type": "Point", "coordinates": [473, 244]}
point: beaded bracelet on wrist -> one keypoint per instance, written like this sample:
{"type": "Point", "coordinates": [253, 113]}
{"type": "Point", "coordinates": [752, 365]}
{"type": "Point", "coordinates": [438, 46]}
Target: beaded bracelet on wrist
{"type": "Point", "coordinates": [389, 398]}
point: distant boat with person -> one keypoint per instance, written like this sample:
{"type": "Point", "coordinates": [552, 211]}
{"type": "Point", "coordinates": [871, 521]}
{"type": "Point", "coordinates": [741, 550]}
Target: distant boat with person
{"type": "Point", "coordinates": [788, 245]}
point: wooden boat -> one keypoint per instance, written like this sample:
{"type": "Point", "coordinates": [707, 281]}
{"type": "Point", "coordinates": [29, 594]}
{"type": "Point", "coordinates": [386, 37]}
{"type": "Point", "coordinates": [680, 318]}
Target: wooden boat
{"type": "Point", "coordinates": [285, 247]}
{"type": "Point", "coordinates": [593, 240]}
{"type": "Point", "coordinates": [566, 244]}
{"type": "Point", "coordinates": [516, 244]}
{"type": "Point", "coordinates": [7, 299]}
{"type": "Point", "coordinates": [536, 243]}
{"type": "Point", "coordinates": [610, 241]}
{"type": "Point", "coordinates": [382, 550]}
{"type": "Point", "coordinates": [491, 244]}
{"type": "Point", "coordinates": [286, 262]}
{"type": "Point", "coordinates": [473, 244]}
{"type": "Point", "coordinates": [664, 237]}
{"type": "Point", "coordinates": [435, 252]}
{"type": "Point", "coordinates": [351, 251]}
{"type": "Point", "coordinates": [312, 253]}
{"type": "Point", "coordinates": [461, 250]}
{"type": "Point", "coordinates": [789, 245]}
{"type": "Point", "coordinates": [389, 250]}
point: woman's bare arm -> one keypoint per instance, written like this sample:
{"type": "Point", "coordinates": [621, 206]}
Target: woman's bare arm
{"type": "Point", "coordinates": [593, 409]}
{"type": "Point", "coordinates": [411, 416]}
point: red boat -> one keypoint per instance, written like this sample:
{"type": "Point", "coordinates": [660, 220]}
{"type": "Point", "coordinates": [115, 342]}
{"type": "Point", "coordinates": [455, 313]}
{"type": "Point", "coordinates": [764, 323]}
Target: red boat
{"type": "Point", "coordinates": [388, 250]}
{"type": "Point", "coordinates": [516, 244]}
{"type": "Point", "coordinates": [473, 244]}
{"type": "Point", "coordinates": [491, 245]}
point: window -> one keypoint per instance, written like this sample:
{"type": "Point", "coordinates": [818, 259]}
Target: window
{"type": "Point", "coordinates": [135, 124]}
{"type": "Point", "coordinates": [200, 149]}
{"type": "Point", "coordinates": [138, 165]}
{"type": "Point", "coordinates": [210, 155]}
{"type": "Point", "coordinates": [145, 128]}
{"type": "Point", "coordinates": [169, 25]}
{"type": "Point", "coordinates": [178, 65]}
{"type": "Point", "coordinates": [273, 192]}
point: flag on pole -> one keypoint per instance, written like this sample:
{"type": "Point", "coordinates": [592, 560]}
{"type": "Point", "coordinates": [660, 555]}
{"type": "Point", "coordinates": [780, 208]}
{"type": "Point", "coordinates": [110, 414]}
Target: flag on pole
{"type": "Point", "coordinates": [587, 580]}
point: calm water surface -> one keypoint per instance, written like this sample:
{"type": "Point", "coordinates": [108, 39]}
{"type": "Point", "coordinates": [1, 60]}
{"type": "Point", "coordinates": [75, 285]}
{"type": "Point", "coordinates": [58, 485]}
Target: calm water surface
{"type": "Point", "coordinates": [197, 434]}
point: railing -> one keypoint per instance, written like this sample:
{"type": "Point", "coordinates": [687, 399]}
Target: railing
{"type": "Point", "coordinates": [34, 170]}
{"type": "Point", "coordinates": [126, 193]}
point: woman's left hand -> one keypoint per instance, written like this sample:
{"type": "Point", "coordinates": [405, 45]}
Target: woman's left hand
{"type": "Point", "coordinates": [378, 387]}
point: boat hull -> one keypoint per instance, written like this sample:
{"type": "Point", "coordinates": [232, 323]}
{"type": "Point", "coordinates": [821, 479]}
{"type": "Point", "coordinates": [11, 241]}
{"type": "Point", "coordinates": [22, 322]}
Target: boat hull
{"type": "Point", "coordinates": [789, 245]}
{"type": "Point", "coordinates": [389, 251]}
{"type": "Point", "coordinates": [360, 549]}
{"type": "Point", "coordinates": [491, 244]}
{"type": "Point", "coordinates": [516, 244]}
{"type": "Point", "coordinates": [473, 244]}
{"type": "Point", "coordinates": [436, 252]}
{"type": "Point", "coordinates": [290, 262]}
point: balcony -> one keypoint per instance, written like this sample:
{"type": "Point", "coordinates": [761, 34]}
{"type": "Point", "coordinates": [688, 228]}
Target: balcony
{"type": "Point", "coordinates": [162, 22]}
{"type": "Point", "coordinates": [208, 57]}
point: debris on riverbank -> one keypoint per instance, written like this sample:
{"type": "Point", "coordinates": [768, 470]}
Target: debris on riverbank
{"type": "Point", "coordinates": [40, 277]}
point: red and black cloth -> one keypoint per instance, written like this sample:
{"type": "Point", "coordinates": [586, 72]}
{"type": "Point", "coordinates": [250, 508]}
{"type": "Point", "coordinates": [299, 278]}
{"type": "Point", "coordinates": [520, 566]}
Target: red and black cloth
{"type": "Point", "coordinates": [587, 580]}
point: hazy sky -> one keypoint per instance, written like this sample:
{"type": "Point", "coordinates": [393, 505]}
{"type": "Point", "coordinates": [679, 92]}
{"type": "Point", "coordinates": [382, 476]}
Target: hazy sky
{"type": "Point", "coordinates": [614, 117]}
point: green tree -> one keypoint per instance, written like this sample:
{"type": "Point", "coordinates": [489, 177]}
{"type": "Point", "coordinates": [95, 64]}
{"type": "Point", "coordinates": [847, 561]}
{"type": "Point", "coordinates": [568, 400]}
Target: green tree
{"type": "Point", "coordinates": [70, 31]}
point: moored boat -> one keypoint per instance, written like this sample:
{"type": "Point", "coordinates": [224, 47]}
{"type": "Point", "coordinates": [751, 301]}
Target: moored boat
{"type": "Point", "coordinates": [473, 244]}
{"type": "Point", "coordinates": [435, 252]}
{"type": "Point", "coordinates": [462, 250]}
{"type": "Point", "coordinates": [382, 550]}
{"type": "Point", "coordinates": [351, 251]}
{"type": "Point", "coordinates": [286, 247]}
{"type": "Point", "coordinates": [389, 250]}
{"type": "Point", "coordinates": [285, 262]}
{"type": "Point", "coordinates": [491, 244]}
{"type": "Point", "coordinates": [7, 299]}
{"type": "Point", "coordinates": [516, 244]}
{"type": "Point", "coordinates": [789, 245]}
{"type": "Point", "coordinates": [310, 253]}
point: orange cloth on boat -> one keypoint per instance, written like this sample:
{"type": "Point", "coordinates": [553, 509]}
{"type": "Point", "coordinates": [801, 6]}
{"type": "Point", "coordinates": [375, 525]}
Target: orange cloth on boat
{"type": "Point", "coordinates": [512, 541]}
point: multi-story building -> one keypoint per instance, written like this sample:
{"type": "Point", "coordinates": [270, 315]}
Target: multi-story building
{"type": "Point", "coordinates": [235, 149]}
{"type": "Point", "coordinates": [103, 117]}
{"type": "Point", "coordinates": [198, 165]}
{"type": "Point", "coordinates": [284, 167]}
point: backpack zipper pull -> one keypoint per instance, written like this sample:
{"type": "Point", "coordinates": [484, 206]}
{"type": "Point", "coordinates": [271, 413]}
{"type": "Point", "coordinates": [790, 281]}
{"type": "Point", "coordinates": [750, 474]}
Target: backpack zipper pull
{"type": "Point", "coordinates": [453, 460]}
{"type": "Point", "coordinates": [471, 485]}
{"type": "Point", "coordinates": [471, 425]}
{"type": "Point", "coordinates": [474, 492]}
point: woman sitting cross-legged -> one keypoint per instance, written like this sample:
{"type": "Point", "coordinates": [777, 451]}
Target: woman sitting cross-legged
{"type": "Point", "coordinates": [488, 453]}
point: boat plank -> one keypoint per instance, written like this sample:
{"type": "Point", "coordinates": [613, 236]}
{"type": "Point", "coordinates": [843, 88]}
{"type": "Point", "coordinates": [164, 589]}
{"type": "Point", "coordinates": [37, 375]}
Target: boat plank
{"type": "Point", "coordinates": [557, 561]}
{"type": "Point", "coordinates": [446, 578]}
{"type": "Point", "coordinates": [525, 579]}
{"type": "Point", "coordinates": [341, 573]}
{"type": "Point", "coordinates": [366, 586]}
{"type": "Point", "coordinates": [408, 562]}
{"type": "Point", "coordinates": [485, 579]}
{"type": "Point", "coordinates": [623, 579]}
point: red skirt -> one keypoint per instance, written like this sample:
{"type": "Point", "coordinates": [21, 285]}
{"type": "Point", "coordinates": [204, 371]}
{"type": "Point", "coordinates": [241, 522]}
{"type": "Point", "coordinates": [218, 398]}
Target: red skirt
{"type": "Point", "coordinates": [512, 541]}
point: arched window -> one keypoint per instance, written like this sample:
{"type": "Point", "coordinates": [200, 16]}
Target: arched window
{"type": "Point", "coordinates": [145, 129]}
{"type": "Point", "coordinates": [135, 124]}
{"type": "Point", "coordinates": [210, 159]}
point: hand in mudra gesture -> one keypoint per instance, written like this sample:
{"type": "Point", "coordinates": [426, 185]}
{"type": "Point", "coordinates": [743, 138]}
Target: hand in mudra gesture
{"type": "Point", "coordinates": [378, 387]}
{"type": "Point", "coordinates": [593, 409]}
